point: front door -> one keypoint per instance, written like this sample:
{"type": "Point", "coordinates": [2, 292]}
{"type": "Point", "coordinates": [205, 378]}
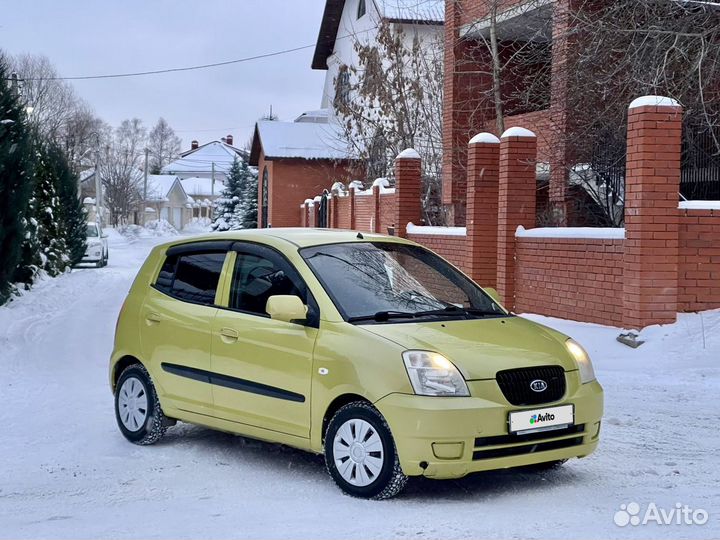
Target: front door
{"type": "Point", "coordinates": [263, 366]}
{"type": "Point", "coordinates": [177, 319]}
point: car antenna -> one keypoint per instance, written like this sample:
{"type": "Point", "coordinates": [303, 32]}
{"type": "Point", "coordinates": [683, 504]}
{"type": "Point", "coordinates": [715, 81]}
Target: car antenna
{"type": "Point", "coordinates": [360, 236]}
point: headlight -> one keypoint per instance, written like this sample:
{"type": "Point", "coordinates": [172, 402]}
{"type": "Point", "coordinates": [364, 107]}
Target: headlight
{"type": "Point", "coordinates": [587, 373]}
{"type": "Point", "coordinates": [431, 374]}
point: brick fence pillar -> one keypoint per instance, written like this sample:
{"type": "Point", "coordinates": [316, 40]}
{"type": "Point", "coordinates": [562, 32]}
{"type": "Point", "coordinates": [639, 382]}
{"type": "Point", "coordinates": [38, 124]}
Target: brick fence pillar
{"type": "Point", "coordinates": [516, 202]}
{"type": "Point", "coordinates": [303, 215]}
{"type": "Point", "coordinates": [335, 210]}
{"type": "Point", "coordinates": [312, 214]}
{"type": "Point", "coordinates": [482, 208]}
{"type": "Point", "coordinates": [408, 207]}
{"type": "Point", "coordinates": [376, 209]}
{"type": "Point", "coordinates": [652, 183]}
{"type": "Point", "coordinates": [352, 208]}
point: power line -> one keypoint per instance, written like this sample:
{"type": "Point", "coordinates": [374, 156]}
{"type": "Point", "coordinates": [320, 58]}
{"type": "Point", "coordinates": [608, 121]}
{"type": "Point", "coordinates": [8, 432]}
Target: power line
{"type": "Point", "coordinates": [170, 70]}
{"type": "Point", "coordinates": [188, 68]}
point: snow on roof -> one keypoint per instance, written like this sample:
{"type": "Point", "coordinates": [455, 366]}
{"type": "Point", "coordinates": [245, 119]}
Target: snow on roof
{"type": "Point", "coordinates": [201, 187]}
{"type": "Point", "coordinates": [159, 186]}
{"type": "Point", "coordinates": [306, 140]}
{"type": "Point", "coordinates": [319, 116]}
{"type": "Point", "coordinates": [432, 11]}
{"type": "Point", "coordinates": [201, 160]}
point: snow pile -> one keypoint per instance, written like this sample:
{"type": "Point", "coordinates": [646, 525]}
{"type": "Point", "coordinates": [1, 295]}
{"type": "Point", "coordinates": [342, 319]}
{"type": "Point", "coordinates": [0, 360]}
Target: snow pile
{"type": "Point", "coordinates": [198, 225]}
{"type": "Point", "coordinates": [571, 232]}
{"type": "Point", "coordinates": [436, 231]}
{"type": "Point", "coordinates": [154, 228]}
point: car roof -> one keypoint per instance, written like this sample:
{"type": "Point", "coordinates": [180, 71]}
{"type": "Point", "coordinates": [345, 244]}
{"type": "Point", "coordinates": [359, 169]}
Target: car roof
{"type": "Point", "coordinates": [288, 237]}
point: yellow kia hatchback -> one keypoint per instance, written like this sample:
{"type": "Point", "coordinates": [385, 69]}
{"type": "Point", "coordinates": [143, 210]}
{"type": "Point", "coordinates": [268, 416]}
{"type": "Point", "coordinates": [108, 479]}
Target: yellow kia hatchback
{"type": "Point", "coordinates": [367, 348]}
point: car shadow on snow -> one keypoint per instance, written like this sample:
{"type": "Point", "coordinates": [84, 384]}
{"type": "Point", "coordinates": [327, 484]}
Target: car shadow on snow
{"type": "Point", "coordinates": [237, 451]}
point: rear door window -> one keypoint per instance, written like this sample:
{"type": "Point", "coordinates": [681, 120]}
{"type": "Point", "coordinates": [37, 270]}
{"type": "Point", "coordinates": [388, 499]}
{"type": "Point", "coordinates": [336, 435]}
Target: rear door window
{"type": "Point", "coordinates": [192, 277]}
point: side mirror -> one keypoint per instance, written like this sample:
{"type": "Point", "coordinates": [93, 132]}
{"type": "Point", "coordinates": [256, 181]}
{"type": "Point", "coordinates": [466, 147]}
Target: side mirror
{"type": "Point", "coordinates": [286, 307]}
{"type": "Point", "coordinates": [493, 294]}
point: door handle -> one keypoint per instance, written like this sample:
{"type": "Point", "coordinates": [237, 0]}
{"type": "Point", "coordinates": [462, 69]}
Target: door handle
{"type": "Point", "coordinates": [229, 335]}
{"type": "Point", "coordinates": [153, 318]}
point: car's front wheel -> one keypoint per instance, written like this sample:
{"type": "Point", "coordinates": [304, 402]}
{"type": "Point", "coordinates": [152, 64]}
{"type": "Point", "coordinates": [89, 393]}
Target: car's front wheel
{"type": "Point", "coordinates": [360, 453]}
{"type": "Point", "coordinates": [137, 408]}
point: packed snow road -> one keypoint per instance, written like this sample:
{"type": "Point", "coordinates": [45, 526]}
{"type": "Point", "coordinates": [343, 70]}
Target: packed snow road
{"type": "Point", "coordinates": [66, 471]}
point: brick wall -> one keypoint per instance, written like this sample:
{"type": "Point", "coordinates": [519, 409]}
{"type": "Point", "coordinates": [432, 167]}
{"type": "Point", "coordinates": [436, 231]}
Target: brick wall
{"type": "Point", "coordinates": [579, 279]}
{"type": "Point", "coordinates": [699, 260]}
{"type": "Point", "coordinates": [452, 248]}
{"type": "Point", "coordinates": [291, 181]}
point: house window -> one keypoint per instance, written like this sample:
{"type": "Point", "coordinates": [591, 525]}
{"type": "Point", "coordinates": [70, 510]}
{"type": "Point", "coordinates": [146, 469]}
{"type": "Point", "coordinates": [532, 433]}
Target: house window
{"type": "Point", "coordinates": [264, 194]}
{"type": "Point", "coordinates": [361, 9]}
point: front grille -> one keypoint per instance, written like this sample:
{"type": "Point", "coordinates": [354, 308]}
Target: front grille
{"type": "Point", "coordinates": [515, 384]}
{"type": "Point", "coordinates": [527, 448]}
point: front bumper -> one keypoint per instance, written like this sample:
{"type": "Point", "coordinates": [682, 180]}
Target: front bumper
{"type": "Point", "coordinates": [93, 255]}
{"type": "Point", "coordinates": [451, 437]}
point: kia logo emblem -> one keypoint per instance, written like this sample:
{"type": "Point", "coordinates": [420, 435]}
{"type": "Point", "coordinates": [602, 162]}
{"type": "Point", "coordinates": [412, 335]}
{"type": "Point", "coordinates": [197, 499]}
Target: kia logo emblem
{"type": "Point", "coordinates": [538, 385]}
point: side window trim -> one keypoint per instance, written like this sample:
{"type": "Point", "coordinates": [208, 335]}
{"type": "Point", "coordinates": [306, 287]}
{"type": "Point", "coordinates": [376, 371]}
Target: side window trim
{"type": "Point", "coordinates": [198, 248]}
{"type": "Point", "coordinates": [273, 255]}
{"type": "Point", "coordinates": [222, 296]}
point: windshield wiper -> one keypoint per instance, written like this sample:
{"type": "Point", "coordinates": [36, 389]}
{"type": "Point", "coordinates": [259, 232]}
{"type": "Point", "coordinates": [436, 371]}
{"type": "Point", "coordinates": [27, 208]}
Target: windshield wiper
{"type": "Point", "coordinates": [452, 309]}
{"type": "Point", "coordinates": [381, 316]}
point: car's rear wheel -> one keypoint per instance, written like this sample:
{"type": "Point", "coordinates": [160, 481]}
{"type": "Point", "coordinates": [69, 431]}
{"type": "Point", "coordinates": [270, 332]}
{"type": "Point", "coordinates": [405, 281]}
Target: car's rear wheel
{"type": "Point", "coordinates": [360, 453]}
{"type": "Point", "coordinates": [137, 408]}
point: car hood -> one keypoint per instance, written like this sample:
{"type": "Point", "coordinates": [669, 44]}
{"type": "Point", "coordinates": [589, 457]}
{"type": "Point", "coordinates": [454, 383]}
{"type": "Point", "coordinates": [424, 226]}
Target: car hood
{"type": "Point", "coordinates": [482, 347]}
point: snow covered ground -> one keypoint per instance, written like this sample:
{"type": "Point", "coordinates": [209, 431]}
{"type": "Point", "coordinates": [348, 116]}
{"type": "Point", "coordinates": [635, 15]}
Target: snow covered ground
{"type": "Point", "coordinates": [66, 472]}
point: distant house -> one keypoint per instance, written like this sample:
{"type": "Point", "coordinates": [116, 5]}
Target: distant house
{"type": "Point", "coordinates": [304, 157]}
{"type": "Point", "coordinates": [294, 159]}
{"type": "Point", "coordinates": [346, 22]}
{"type": "Point", "coordinates": [167, 199]}
{"type": "Point", "coordinates": [209, 160]}
{"type": "Point", "coordinates": [203, 193]}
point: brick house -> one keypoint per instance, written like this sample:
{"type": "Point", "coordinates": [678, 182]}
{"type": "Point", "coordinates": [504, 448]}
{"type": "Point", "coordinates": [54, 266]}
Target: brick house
{"type": "Point", "coordinates": [294, 159]}
{"type": "Point", "coordinates": [467, 110]}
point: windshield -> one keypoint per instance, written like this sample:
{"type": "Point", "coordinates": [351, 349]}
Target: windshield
{"type": "Point", "coordinates": [92, 231]}
{"type": "Point", "coordinates": [389, 281]}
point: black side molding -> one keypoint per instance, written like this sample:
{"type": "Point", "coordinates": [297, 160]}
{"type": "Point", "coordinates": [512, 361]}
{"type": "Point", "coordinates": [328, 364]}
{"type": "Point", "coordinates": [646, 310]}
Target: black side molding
{"type": "Point", "coordinates": [233, 383]}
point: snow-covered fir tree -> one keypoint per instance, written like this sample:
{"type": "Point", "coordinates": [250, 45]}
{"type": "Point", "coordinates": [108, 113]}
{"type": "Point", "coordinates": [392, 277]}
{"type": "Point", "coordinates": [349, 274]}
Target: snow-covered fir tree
{"type": "Point", "coordinates": [48, 213]}
{"type": "Point", "coordinates": [236, 204]}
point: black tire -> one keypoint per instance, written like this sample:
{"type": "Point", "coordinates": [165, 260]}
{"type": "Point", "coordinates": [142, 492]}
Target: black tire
{"type": "Point", "coordinates": [154, 425]}
{"type": "Point", "coordinates": [391, 480]}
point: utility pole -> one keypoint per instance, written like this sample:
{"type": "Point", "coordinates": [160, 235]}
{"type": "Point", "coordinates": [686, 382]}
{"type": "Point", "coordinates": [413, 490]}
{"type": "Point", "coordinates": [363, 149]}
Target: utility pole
{"type": "Point", "coordinates": [212, 181]}
{"type": "Point", "coordinates": [98, 187]}
{"type": "Point", "coordinates": [144, 201]}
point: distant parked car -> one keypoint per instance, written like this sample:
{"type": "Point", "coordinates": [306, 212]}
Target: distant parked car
{"type": "Point", "coordinates": [97, 246]}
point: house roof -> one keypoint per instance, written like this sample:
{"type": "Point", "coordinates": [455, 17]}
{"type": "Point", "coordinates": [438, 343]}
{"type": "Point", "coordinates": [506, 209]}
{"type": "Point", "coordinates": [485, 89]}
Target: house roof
{"type": "Point", "coordinates": [159, 186]}
{"type": "Point", "coordinates": [201, 187]}
{"type": "Point", "coordinates": [399, 11]}
{"type": "Point", "coordinates": [200, 160]}
{"type": "Point", "coordinates": [304, 140]}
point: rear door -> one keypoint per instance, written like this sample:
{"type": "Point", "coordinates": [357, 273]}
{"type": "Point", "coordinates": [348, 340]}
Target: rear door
{"type": "Point", "coordinates": [263, 367]}
{"type": "Point", "coordinates": [177, 319]}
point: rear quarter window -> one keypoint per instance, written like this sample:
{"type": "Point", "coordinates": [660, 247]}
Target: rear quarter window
{"type": "Point", "coordinates": [192, 277]}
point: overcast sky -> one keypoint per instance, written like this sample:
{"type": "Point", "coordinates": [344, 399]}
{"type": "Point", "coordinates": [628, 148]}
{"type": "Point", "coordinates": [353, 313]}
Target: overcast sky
{"type": "Point", "coordinates": [92, 37]}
